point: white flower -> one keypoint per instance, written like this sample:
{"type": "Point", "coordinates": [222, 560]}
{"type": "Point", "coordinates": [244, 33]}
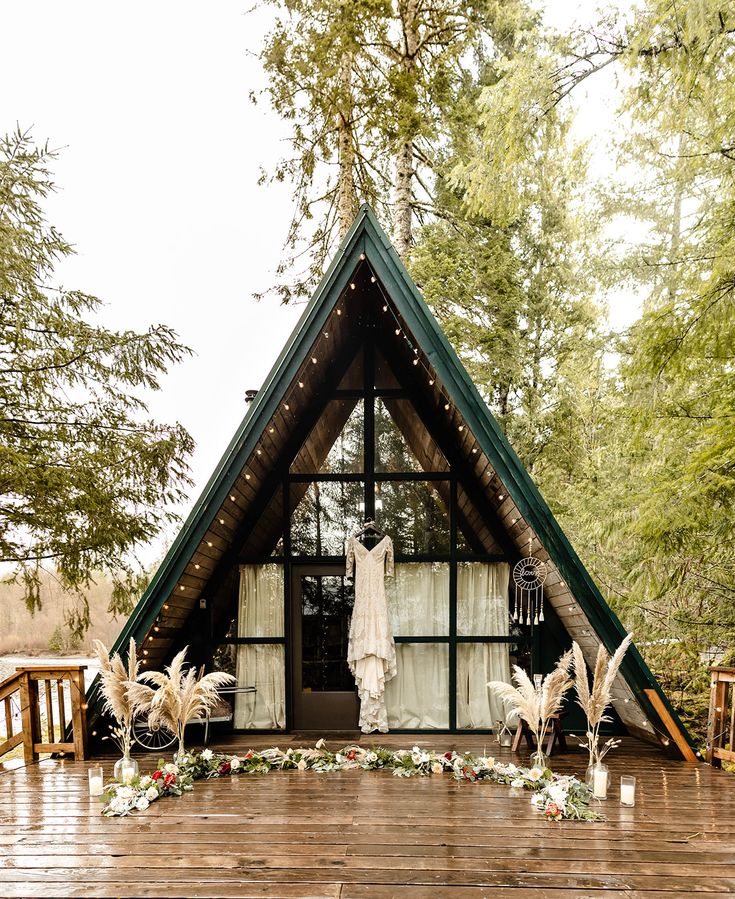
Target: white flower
{"type": "Point", "coordinates": [518, 782]}
{"type": "Point", "coordinates": [141, 803]}
{"type": "Point", "coordinates": [371, 757]}
{"type": "Point", "coordinates": [125, 793]}
{"type": "Point", "coordinates": [535, 774]}
{"type": "Point", "coordinates": [151, 793]}
{"type": "Point", "coordinates": [416, 758]}
{"type": "Point", "coordinates": [207, 754]}
{"type": "Point", "coordinates": [538, 799]}
{"type": "Point", "coordinates": [171, 768]}
{"type": "Point", "coordinates": [234, 763]}
{"type": "Point", "coordinates": [319, 744]}
{"type": "Point", "coordinates": [436, 768]}
{"type": "Point", "coordinates": [301, 765]}
{"type": "Point", "coordinates": [145, 782]}
{"type": "Point", "coordinates": [485, 762]}
{"type": "Point", "coordinates": [118, 806]}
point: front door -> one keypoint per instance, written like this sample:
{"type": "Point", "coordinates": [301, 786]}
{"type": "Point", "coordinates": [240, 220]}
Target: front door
{"type": "Point", "coordinates": [324, 694]}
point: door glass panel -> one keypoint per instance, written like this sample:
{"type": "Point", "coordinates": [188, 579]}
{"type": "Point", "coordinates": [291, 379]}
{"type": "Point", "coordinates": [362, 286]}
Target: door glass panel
{"type": "Point", "coordinates": [402, 442]}
{"type": "Point", "coordinates": [415, 514]}
{"type": "Point", "coordinates": [326, 606]}
{"type": "Point", "coordinates": [418, 599]}
{"type": "Point", "coordinates": [325, 514]}
{"type": "Point", "coordinates": [335, 444]}
{"type": "Point", "coordinates": [418, 696]}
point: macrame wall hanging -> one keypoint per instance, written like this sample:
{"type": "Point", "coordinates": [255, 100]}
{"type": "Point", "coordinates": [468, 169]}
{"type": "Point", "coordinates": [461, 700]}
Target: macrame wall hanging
{"type": "Point", "coordinates": [528, 576]}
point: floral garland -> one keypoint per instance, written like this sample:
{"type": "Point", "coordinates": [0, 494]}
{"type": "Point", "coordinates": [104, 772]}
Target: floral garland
{"type": "Point", "coordinates": [559, 797]}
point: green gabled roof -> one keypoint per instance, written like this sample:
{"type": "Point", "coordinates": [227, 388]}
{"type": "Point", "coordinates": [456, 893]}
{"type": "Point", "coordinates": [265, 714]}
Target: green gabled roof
{"type": "Point", "coordinates": [367, 237]}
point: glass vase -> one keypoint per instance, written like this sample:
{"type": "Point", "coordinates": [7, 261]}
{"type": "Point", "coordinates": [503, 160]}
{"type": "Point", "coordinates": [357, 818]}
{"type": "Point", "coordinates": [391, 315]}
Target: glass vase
{"type": "Point", "coordinates": [600, 780]}
{"type": "Point", "coordinates": [125, 769]}
{"type": "Point", "coordinates": [539, 759]}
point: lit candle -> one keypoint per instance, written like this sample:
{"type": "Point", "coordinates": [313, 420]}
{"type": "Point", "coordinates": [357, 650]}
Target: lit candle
{"type": "Point", "coordinates": [96, 782]}
{"type": "Point", "coordinates": [627, 790]}
{"type": "Point", "coordinates": [599, 783]}
{"type": "Point", "coordinates": [127, 773]}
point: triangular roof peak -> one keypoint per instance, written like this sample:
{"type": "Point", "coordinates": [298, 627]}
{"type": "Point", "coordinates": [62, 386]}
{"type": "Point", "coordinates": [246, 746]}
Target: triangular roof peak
{"type": "Point", "coordinates": [327, 335]}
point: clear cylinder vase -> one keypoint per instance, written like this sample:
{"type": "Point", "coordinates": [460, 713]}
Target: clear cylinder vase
{"type": "Point", "coordinates": [600, 780]}
{"type": "Point", "coordinates": [125, 769]}
{"type": "Point", "coordinates": [539, 759]}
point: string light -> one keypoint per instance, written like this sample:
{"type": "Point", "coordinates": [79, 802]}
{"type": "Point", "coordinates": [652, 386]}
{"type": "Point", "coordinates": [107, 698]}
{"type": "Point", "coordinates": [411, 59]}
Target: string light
{"type": "Point", "coordinates": [431, 382]}
{"type": "Point", "coordinates": [156, 628]}
{"type": "Point", "coordinates": [398, 331]}
{"type": "Point", "coordinates": [313, 360]}
{"type": "Point", "coordinates": [259, 452]}
{"type": "Point", "coordinates": [247, 475]}
{"type": "Point", "coordinates": [385, 308]}
{"type": "Point", "coordinates": [501, 497]}
{"type": "Point", "coordinates": [352, 285]}
{"type": "Point", "coordinates": [221, 521]}
{"type": "Point", "coordinates": [209, 543]}
{"type": "Point", "coordinates": [460, 428]}
{"type": "Point", "coordinates": [339, 312]}
{"type": "Point", "coordinates": [197, 567]}
{"type": "Point", "coordinates": [286, 406]}
{"type": "Point", "coordinates": [232, 498]}
{"type": "Point", "coordinates": [474, 449]}
{"type": "Point", "coordinates": [446, 406]}
{"type": "Point", "coordinates": [145, 652]}
{"type": "Point", "coordinates": [182, 588]}
{"type": "Point", "coordinates": [301, 385]}
{"type": "Point", "coordinates": [373, 279]}
{"type": "Point", "coordinates": [271, 430]}
{"type": "Point", "coordinates": [165, 605]}
{"type": "Point", "coordinates": [415, 361]}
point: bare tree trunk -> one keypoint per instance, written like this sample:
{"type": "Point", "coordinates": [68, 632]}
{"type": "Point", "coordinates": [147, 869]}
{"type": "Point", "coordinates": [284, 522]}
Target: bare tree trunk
{"type": "Point", "coordinates": [346, 197]}
{"type": "Point", "coordinates": [404, 152]}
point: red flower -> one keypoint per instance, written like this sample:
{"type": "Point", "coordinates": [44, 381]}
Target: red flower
{"type": "Point", "coordinates": [248, 754]}
{"type": "Point", "coordinates": [351, 755]}
{"type": "Point", "coordinates": [225, 768]}
{"type": "Point", "coordinates": [448, 756]}
{"type": "Point", "coordinates": [553, 810]}
{"type": "Point", "coordinates": [168, 780]}
{"type": "Point", "coordinates": [157, 775]}
{"type": "Point", "coordinates": [465, 770]}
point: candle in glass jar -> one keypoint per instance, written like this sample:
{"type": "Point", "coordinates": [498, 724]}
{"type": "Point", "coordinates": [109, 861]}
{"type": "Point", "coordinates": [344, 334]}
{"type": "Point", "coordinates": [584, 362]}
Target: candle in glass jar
{"type": "Point", "coordinates": [599, 783]}
{"type": "Point", "coordinates": [96, 782]}
{"type": "Point", "coordinates": [127, 773]}
{"type": "Point", "coordinates": [627, 790]}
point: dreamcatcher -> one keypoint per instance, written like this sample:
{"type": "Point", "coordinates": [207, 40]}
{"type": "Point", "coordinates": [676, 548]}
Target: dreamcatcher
{"type": "Point", "coordinates": [528, 576]}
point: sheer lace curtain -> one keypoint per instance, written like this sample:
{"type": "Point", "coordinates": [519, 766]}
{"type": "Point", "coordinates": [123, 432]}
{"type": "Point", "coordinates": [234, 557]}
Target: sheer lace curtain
{"type": "Point", "coordinates": [418, 602]}
{"type": "Point", "coordinates": [482, 610]}
{"type": "Point", "coordinates": [260, 665]}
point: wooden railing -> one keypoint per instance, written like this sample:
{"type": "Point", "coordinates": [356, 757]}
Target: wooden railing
{"type": "Point", "coordinates": [721, 721]}
{"type": "Point", "coordinates": [35, 701]}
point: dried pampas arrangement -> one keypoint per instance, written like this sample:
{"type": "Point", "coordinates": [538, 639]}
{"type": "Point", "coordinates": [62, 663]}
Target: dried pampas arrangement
{"type": "Point", "coordinates": [114, 681]}
{"type": "Point", "coordinates": [595, 700]}
{"type": "Point", "coordinates": [537, 703]}
{"type": "Point", "coordinates": [179, 695]}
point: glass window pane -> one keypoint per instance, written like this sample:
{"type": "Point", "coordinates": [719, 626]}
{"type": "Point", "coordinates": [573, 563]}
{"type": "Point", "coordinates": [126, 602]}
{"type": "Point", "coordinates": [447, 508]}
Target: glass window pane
{"type": "Point", "coordinates": [402, 443]}
{"type": "Point", "coordinates": [335, 444]}
{"type": "Point", "coordinates": [478, 663]}
{"type": "Point", "coordinates": [418, 599]}
{"type": "Point", "coordinates": [325, 514]}
{"type": "Point", "coordinates": [482, 599]}
{"type": "Point", "coordinates": [414, 514]}
{"type": "Point", "coordinates": [260, 607]}
{"type": "Point", "coordinates": [418, 696]}
{"type": "Point", "coordinates": [266, 537]}
{"type": "Point", "coordinates": [473, 535]}
{"type": "Point", "coordinates": [326, 606]}
{"type": "Point", "coordinates": [260, 666]}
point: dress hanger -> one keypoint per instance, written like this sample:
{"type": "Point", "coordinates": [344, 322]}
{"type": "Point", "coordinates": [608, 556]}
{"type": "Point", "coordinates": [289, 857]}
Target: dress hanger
{"type": "Point", "coordinates": [369, 526]}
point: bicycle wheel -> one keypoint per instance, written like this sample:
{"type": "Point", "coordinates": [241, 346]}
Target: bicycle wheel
{"type": "Point", "coordinates": [152, 737]}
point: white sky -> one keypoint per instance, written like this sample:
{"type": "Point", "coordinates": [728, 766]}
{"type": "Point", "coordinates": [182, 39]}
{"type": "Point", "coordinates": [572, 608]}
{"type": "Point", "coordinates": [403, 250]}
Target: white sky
{"type": "Point", "coordinates": [161, 152]}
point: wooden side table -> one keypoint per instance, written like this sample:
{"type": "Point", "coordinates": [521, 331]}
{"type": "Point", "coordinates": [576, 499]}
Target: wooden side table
{"type": "Point", "coordinates": [554, 736]}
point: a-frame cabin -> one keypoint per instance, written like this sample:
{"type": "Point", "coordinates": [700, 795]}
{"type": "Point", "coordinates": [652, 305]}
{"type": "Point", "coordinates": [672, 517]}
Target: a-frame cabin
{"type": "Point", "coordinates": [368, 413]}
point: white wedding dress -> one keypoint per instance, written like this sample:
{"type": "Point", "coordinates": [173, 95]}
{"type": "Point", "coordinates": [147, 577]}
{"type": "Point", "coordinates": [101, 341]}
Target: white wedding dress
{"type": "Point", "coordinates": [371, 652]}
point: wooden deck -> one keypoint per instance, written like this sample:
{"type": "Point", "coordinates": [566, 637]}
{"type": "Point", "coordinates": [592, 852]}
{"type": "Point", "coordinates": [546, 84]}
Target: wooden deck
{"type": "Point", "coordinates": [369, 835]}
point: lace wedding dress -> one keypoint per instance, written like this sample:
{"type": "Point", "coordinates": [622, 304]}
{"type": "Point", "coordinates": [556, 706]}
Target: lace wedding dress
{"type": "Point", "coordinates": [371, 652]}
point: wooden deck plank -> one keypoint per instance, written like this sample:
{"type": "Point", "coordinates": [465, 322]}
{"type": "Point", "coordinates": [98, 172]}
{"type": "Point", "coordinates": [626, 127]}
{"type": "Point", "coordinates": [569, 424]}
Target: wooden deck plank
{"type": "Point", "coordinates": [368, 835]}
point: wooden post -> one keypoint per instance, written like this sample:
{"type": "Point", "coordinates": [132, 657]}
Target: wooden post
{"type": "Point", "coordinates": [29, 714]}
{"type": "Point", "coordinates": [78, 714]}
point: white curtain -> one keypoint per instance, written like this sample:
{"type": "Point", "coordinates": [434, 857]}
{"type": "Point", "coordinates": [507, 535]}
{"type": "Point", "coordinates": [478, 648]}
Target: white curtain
{"type": "Point", "coordinates": [482, 610]}
{"type": "Point", "coordinates": [260, 614]}
{"type": "Point", "coordinates": [418, 599]}
{"type": "Point", "coordinates": [418, 603]}
{"type": "Point", "coordinates": [418, 697]}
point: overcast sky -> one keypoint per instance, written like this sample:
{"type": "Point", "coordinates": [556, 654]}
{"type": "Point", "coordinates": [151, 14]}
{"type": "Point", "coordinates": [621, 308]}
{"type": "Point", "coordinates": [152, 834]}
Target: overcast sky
{"type": "Point", "coordinates": [160, 156]}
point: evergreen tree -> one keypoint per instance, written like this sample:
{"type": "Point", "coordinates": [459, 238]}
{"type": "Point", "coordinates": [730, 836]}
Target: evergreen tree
{"type": "Point", "coordinates": [85, 477]}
